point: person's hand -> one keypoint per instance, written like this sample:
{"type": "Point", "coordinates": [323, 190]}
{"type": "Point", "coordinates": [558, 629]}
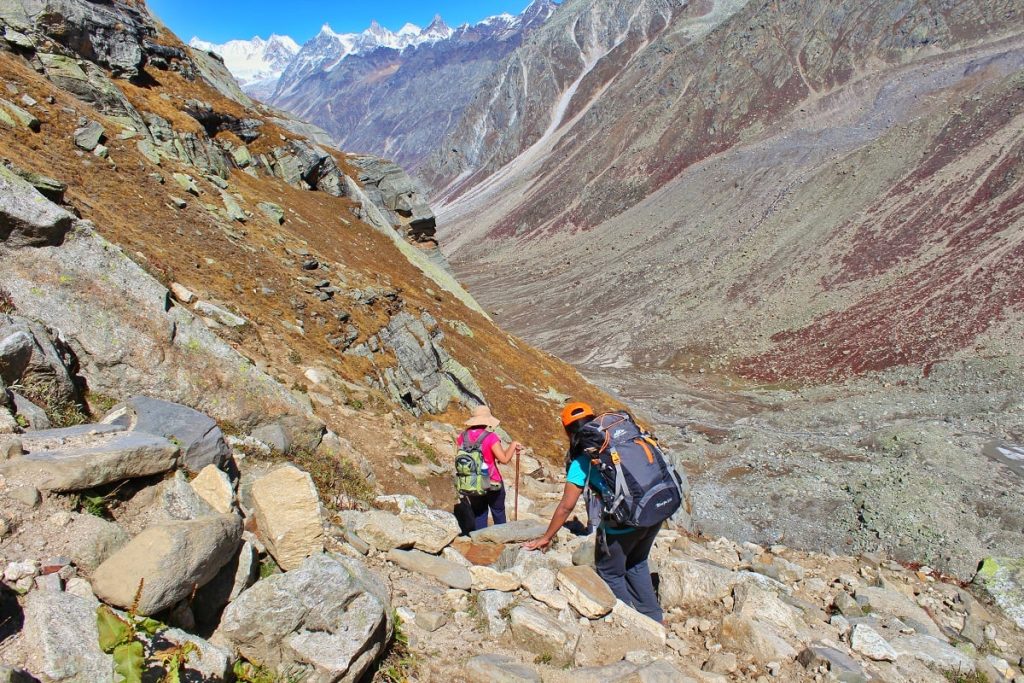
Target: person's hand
{"type": "Point", "coordinates": [541, 544]}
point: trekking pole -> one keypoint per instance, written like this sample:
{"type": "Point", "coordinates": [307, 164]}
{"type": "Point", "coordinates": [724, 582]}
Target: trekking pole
{"type": "Point", "coordinates": [515, 509]}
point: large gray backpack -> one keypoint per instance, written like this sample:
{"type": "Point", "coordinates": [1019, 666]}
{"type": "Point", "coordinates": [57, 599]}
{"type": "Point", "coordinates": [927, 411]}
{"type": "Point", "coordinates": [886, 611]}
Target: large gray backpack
{"type": "Point", "coordinates": [638, 486]}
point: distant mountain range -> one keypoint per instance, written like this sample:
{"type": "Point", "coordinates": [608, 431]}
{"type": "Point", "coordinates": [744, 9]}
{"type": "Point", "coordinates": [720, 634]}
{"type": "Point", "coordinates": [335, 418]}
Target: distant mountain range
{"type": "Point", "coordinates": [378, 91]}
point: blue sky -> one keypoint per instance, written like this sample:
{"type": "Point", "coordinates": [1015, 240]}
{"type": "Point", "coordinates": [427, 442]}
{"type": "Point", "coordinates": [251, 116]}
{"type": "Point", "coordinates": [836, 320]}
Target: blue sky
{"type": "Point", "coordinates": [222, 20]}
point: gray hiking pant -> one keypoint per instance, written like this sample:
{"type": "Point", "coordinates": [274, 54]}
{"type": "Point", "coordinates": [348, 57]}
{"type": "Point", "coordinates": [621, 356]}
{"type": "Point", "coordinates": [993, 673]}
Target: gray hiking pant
{"type": "Point", "coordinates": [622, 563]}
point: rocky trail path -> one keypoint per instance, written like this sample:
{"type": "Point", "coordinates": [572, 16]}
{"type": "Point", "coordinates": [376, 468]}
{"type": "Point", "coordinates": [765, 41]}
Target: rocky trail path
{"type": "Point", "coordinates": [242, 557]}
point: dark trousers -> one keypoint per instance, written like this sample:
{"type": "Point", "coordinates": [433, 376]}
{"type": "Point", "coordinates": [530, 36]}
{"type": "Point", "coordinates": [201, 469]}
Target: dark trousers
{"type": "Point", "coordinates": [492, 502]}
{"type": "Point", "coordinates": [622, 563]}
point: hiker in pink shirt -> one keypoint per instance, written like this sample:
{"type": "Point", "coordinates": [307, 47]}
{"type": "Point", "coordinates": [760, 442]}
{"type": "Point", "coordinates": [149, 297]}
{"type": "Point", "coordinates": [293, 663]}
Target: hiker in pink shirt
{"type": "Point", "coordinates": [481, 424]}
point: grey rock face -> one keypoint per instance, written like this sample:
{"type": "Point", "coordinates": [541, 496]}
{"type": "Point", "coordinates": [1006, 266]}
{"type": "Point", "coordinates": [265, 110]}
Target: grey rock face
{"type": "Point", "coordinates": [143, 353]}
{"type": "Point", "coordinates": [89, 83]}
{"type": "Point", "coordinates": [65, 641]}
{"type": "Point", "coordinates": [427, 379]}
{"type": "Point", "coordinates": [89, 136]}
{"type": "Point", "coordinates": [396, 193]}
{"type": "Point", "coordinates": [109, 34]}
{"type": "Point", "coordinates": [92, 540]}
{"type": "Point", "coordinates": [173, 559]}
{"type": "Point", "coordinates": [33, 356]}
{"type": "Point", "coordinates": [301, 164]}
{"type": "Point", "coordinates": [491, 604]}
{"type": "Point", "coordinates": [197, 435]}
{"type": "Point", "coordinates": [329, 619]}
{"type": "Point", "coordinates": [27, 218]}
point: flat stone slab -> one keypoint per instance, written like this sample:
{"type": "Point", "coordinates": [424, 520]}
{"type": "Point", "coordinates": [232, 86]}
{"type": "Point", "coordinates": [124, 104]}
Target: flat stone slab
{"type": "Point", "coordinates": [448, 573]}
{"type": "Point", "coordinates": [513, 532]}
{"type": "Point", "coordinates": [92, 461]}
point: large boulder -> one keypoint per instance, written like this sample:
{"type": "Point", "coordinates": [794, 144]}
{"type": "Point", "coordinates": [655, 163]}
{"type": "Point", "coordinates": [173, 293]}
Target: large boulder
{"type": "Point", "coordinates": [287, 511]}
{"type": "Point", "coordinates": [61, 629]}
{"type": "Point", "coordinates": [27, 218]}
{"type": "Point", "coordinates": [90, 540]}
{"type": "Point", "coordinates": [173, 559]}
{"type": "Point", "coordinates": [90, 460]}
{"type": "Point", "coordinates": [327, 620]}
{"type": "Point", "coordinates": [415, 526]}
{"type": "Point", "coordinates": [200, 439]}
{"type": "Point", "coordinates": [1003, 579]}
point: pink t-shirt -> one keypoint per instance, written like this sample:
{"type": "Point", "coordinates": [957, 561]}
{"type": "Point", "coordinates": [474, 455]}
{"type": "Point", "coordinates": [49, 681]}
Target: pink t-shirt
{"type": "Point", "coordinates": [485, 449]}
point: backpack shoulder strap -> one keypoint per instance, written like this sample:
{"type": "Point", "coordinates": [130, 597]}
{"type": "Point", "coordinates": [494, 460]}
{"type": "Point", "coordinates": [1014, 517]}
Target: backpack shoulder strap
{"type": "Point", "coordinates": [474, 444]}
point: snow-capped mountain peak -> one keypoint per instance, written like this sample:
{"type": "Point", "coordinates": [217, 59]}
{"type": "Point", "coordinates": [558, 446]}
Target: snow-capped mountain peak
{"type": "Point", "coordinates": [253, 60]}
{"type": "Point", "coordinates": [278, 64]}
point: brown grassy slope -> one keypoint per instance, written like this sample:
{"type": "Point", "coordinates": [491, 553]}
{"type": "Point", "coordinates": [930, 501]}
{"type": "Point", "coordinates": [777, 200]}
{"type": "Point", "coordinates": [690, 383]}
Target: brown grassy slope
{"type": "Point", "coordinates": [239, 265]}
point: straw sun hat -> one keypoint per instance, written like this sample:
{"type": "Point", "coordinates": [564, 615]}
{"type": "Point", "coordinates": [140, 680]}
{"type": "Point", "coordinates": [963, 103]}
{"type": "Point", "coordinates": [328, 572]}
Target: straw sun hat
{"type": "Point", "coordinates": [482, 418]}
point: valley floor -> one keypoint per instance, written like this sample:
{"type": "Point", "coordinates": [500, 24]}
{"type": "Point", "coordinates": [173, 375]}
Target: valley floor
{"type": "Point", "coordinates": [923, 467]}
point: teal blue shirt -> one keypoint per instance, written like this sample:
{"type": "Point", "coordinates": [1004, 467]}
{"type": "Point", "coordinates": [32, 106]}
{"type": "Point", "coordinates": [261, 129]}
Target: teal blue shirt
{"type": "Point", "coordinates": [579, 470]}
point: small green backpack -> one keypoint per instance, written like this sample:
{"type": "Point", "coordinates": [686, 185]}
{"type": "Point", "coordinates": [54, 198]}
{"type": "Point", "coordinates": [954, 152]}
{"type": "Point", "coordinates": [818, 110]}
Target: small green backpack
{"type": "Point", "coordinates": [471, 478]}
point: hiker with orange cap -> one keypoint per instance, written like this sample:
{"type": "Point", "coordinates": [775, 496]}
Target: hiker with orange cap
{"type": "Point", "coordinates": [616, 460]}
{"type": "Point", "coordinates": [482, 487]}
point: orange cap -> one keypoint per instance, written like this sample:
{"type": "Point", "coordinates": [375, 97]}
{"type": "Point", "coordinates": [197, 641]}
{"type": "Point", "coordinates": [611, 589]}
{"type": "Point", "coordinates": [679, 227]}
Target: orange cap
{"type": "Point", "coordinates": [575, 411]}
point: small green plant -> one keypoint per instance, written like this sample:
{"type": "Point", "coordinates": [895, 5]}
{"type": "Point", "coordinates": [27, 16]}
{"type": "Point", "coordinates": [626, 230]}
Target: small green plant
{"type": "Point", "coordinates": [247, 672]}
{"type": "Point", "coordinates": [122, 638]}
{"type": "Point", "coordinates": [294, 358]}
{"type": "Point", "coordinates": [428, 451]}
{"type": "Point", "coordinates": [543, 659]}
{"type": "Point", "coordinates": [410, 459]}
{"type": "Point", "coordinates": [268, 568]}
{"type": "Point", "coordinates": [97, 504]}
{"type": "Point", "coordinates": [100, 403]}
{"type": "Point", "coordinates": [22, 421]}
{"type": "Point", "coordinates": [46, 393]}
{"type": "Point", "coordinates": [399, 665]}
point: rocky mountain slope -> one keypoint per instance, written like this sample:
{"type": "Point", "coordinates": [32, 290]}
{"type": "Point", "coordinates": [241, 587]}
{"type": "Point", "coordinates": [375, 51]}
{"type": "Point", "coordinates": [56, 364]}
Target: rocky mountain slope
{"type": "Point", "coordinates": [378, 92]}
{"type": "Point", "coordinates": [656, 154]}
{"type": "Point", "coordinates": [201, 252]}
